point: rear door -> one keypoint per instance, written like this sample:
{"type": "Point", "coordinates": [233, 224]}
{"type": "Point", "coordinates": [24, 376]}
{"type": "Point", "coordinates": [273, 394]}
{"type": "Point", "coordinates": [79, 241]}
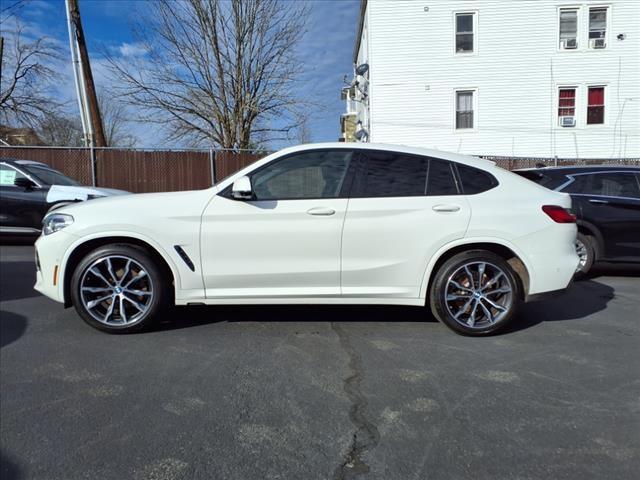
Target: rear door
{"type": "Point", "coordinates": [402, 209]}
{"type": "Point", "coordinates": [611, 202]}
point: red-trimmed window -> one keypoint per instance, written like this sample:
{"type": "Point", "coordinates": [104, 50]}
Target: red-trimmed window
{"type": "Point", "coordinates": [595, 106]}
{"type": "Point", "coordinates": [567, 102]}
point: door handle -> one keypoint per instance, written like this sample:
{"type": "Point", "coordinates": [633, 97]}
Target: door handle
{"type": "Point", "coordinates": [445, 208]}
{"type": "Point", "coordinates": [321, 211]}
{"type": "Point", "coordinates": [601, 202]}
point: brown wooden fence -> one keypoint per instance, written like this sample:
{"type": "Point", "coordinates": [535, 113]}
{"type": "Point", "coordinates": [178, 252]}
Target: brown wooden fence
{"type": "Point", "coordinates": [138, 171]}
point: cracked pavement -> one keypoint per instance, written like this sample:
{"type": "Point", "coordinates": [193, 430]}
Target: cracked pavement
{"type": "Point", "coordinates": [321, 392]}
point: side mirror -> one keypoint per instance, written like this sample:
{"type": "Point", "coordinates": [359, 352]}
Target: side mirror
{"type": "Point", "coordinates": [241, 189]}
{"type": "Point", "coordinates": [24, 182]}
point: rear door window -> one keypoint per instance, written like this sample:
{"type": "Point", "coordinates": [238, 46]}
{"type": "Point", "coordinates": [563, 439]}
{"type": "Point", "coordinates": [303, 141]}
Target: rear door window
{"type": "Point", "coordinates": [475, 180]}
{"type": "Point", "coordinates": [441, 178]}
{"type": "Point", "coordinates": [391, 174]}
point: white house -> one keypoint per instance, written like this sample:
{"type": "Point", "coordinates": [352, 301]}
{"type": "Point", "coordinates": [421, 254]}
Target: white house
{"type": "Point", "coordinates": [540, 78]}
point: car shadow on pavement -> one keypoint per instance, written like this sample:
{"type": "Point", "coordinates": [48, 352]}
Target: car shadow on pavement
{"type": "Point", "coordinates": [614, 270]}
{"type": "Point", "coordinates": [191, 316]}
{"type": "Point", "coordinates": [584, 298]}
{"type": "Point", "coordinates": [12, 327]}
{"type": "Point", "coordinates": [17, 279]}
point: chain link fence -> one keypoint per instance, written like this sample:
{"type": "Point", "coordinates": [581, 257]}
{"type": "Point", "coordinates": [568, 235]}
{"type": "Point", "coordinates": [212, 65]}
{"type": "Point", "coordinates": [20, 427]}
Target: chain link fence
{"type": "Point", "coordinates": [149, 170]}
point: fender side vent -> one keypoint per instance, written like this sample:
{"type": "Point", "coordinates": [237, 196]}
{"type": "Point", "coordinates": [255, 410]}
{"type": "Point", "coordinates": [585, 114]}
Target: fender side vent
{"type": "Point", "coordinates": [185, 257]}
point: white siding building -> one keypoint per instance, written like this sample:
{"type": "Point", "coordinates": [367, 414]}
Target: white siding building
{"type": "Point", "coordinates": [540, 78]}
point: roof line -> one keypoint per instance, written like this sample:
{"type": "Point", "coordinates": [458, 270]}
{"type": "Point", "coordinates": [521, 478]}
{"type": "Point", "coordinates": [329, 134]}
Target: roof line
{"type": "Point", "coordinates": [363, 9]}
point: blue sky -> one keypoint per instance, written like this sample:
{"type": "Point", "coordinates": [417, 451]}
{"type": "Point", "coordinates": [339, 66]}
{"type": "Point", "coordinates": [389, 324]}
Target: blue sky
{"type": "Point", "coordinates": [326, 52]}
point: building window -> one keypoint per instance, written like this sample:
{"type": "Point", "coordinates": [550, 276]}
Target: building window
{"type": "Point", "coordinates": [595, 106]}
{"type": "Point", "coordinates": [464, 109]}
{"type": "Point", "coordinates": [464, 32]}
{"type": "Point", "coordinates": [568, 28]}
{"type": "Point", "coordinates": [597, 27]}
{"type": "Point", "coordinates": [566, 104]}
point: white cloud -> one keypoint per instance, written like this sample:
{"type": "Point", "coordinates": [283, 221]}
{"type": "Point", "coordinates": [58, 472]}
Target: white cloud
{"type": "Point", "coordinates": [132, 50]}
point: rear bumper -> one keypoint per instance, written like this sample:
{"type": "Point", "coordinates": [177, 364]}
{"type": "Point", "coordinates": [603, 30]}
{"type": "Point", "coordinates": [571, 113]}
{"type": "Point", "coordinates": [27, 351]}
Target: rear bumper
{"type": "Point", "coordinates": [551, 259]}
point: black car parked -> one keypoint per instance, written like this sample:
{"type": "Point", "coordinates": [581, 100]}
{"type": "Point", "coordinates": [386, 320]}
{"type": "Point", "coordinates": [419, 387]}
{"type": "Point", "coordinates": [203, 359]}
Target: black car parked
{"type": "Point", "coordinates": [606, 201]}
{"type": "Point", "coordinates": [28, 190]}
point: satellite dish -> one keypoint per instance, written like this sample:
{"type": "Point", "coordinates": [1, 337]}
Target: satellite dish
{"type": "Point", "coordinates": [362, 69]}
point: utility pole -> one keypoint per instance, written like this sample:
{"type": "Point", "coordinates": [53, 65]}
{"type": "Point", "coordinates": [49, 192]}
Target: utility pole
{"type": "Point", "coordinates": [98, 139]}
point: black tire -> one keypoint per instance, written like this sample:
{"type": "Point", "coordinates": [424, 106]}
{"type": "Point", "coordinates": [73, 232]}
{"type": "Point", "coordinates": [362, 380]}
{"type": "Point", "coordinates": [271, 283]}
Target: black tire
{"type": "Point", "coordinates": [442, 293]}
{"type": "Point", "coordinates": [154, 280]}
{"type": "Point", "coordinates": [588, 243]}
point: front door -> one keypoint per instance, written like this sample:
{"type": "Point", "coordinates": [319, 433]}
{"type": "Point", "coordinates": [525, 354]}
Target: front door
{"type": "Point", "coordinates": [285, 241]}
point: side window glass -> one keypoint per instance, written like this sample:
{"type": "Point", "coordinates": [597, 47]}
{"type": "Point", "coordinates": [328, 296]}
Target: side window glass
{"type": "Point", "coordinates": [389, 174]}
{"type": "Point", "coordinates": [315, 174]}
{"type": "Point", "coordinates": [475, 180]}
{"type": "Point", "coordinates": [8, 175]}
{"type": "Point", "coordinates": [441, 180]}
{"type": "Point", "coordinates": [580, 184]}
{"type": "Point", "coordinates": [619, 184]}
{"type": "Point", "coordinates": [615, 184]}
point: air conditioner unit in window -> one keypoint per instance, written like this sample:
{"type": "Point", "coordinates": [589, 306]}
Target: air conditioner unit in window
{"type": "Point", "coordinates": [570, 43]}
{"type": "Point", "coordinates": [568, 121]}
{"type": "Point", "coordinates": [598, 43]}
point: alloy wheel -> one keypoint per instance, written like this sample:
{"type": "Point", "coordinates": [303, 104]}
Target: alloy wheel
{"type": "Point", "coordinates": [583, 255]}
{"type": "Point", "coordinates": [116, 290]}
{"type": "Point", "coordinates": [478, 294]}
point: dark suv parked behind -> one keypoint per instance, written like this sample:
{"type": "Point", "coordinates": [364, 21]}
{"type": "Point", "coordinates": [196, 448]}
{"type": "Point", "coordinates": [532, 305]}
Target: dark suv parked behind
{"type": "Point", "coordinates": [606, 200]}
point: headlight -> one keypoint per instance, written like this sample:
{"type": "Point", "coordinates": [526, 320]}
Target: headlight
{"type": "Point", "coordinates": [55, 221]}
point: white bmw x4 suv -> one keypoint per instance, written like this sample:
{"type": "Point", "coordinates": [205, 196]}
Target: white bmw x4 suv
{"type": "Point", "coordinates": [324, 223]}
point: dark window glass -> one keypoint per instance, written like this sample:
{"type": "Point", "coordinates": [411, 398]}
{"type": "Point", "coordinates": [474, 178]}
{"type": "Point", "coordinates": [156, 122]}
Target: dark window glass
{"type": "Point", "coordinates": [441, 180]}
{"type": "Point", "coordinates": [51, 177]}
{"type": "Point", "coordinates": [315, 174]}
{"type": "Point", "coordinates": [464, 109]}
{"type": "Point", "coordinates": [464, 32]}
{"type": "Point", "coordinates": [391, 174]}
{"type": "Point", "coordinates": [615, 184]}
{"type": "Point", "coordinates": [475, 180]}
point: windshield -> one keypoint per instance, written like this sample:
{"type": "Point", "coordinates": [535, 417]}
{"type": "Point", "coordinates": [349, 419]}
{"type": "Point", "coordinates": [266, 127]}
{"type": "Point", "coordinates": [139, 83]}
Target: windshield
{"type": "Point", "coordinates": [50, 177]}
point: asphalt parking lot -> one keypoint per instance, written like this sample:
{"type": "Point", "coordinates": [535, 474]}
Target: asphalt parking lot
{"type": "Point", "coordinates": [321, 392]}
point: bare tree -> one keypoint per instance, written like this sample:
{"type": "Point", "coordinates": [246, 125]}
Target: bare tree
{"type": "Point", "coordinates": [217, 73]}
{"type": "Point", "coordinates": [60, 130]}
{"type": "Point", "coordinates": [63, 129]}
{"type": "Point", "coordinates": [26, 75]}
{"type": "Point", "coordinates": [303, 130]}
{"type": "Point", "coordinates": [115, 122]}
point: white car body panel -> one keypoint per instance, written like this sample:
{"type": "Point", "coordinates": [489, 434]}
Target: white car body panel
{"type": "Point", "coordinates": [271, 248]}
{"type": "Point", "coordinates": [387, 242]}
{"type": "Point", "coordinates": [371, 250]}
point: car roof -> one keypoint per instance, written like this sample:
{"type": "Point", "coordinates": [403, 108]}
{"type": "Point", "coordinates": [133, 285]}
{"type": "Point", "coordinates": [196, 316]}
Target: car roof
{"type": "Point", "coordinates": [429, 152]}
{"type": "Point", "coordinates": [24, 162]}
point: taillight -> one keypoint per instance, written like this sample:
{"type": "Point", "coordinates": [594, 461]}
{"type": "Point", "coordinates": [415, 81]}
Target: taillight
{"type": "Point", "coordinates": [559, 214]}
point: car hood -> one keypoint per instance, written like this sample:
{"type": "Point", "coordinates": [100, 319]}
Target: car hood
{"type": "Point", "coordinates": [72, 193]}
{"type": "Point", "coordinates": [139, 212]}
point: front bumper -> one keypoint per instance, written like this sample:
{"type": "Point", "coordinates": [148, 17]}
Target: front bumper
{"type": "Point", "coordinates": [50, 253]}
